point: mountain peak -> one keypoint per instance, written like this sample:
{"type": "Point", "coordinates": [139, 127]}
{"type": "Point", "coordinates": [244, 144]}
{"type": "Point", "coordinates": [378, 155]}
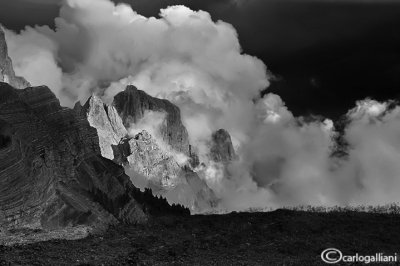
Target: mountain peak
{"type": "Point", "coordinates": [221, 146]}
{"type": "Point", "coordinates": [160, 161]}
{"type": "Point", "coordinates": [132, 104]}
{"type": "Point", "coordinates": [131, 89]}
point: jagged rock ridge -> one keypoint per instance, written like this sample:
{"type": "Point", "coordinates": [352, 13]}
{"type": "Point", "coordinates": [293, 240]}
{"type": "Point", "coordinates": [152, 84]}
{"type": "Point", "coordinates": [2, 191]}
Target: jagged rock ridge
{"type": "Point", "coordinates": [105, 119]}
{"type": "Point", "coordinates": [52, 173]}
{"type": "Point", "coordinates": [165, 167]}
{"type": "Point", "coordinates": [221, 147]}
{"type": "Point", "coordinates": [131, 104]}
{"type": "Point", "coordinates": [55, 159]}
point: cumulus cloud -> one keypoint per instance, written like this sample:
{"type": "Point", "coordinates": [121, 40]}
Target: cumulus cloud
{"type": "Point", "coordinates": [183, 56]}
{"type": "Point", "coordinates": [289, 161]}
{"type": "Point", "coordinates": [285, 161]}
{"type": "Point", "coordinates": [197, 63]}
{"type": "Point", "coordinates": [373, 135]}
{"type": "Point", "coordinates": [151, 122]}
{"type": "Point", "coordinates": [33, 58]}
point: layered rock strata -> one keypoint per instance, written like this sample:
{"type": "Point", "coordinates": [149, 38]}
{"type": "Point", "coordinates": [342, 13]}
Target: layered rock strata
{"type": "Point", "coordinates": [52, 174]}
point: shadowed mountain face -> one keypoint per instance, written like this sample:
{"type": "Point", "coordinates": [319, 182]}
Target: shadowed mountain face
{"type": "Point", "coordinates": [52, 174]}
{"type": "Point", "coordinates": [221, 147]}
{"type": "Point", "coordinates": [131, 105]}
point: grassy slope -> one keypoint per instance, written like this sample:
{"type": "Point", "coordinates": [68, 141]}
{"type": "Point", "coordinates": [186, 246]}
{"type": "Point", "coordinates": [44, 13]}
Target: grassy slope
{"type": "Point", "coordinates": [277, 238]}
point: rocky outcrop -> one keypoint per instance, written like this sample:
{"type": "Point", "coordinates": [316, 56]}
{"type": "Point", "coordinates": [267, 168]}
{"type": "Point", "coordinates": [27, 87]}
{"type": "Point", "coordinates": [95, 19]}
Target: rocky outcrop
{"type": "Point", "coordinates": [163, 164]}
{"type": "Point", "coordinates": [7, 73]}
{"type": "Point", "coordinates": [221, 147]}
{"type": "Point", "coordinates": [52, 173]}
{"type": "Point", "coordinates": [109, 126]}
{"type": "Point", "coordinates": [132, 104]}
{"type": "Point", "coordinates": [164, 173]}
{"type": "Point", "coordinates": [148, 159]}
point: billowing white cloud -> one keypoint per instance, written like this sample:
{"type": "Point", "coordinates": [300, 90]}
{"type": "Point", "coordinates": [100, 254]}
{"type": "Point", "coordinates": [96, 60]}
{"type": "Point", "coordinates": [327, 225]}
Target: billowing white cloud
{"type": "Point", "coordinates": [33, 58]}
{"type": "Point", "coordinates": [151, 122]}
{"type": "Point", "coordinates": [197, 63]}
{"type": "Point", "coordinates": [286, 161]}
{"type": "Point", "coordinates": [373, 135]}
{"type": "Point", "coordinates": [183, 56]}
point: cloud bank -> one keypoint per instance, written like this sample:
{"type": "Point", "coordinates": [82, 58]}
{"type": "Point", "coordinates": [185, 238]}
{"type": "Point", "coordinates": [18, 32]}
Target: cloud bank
{"type": "Point", "coordinates": [198, 64]}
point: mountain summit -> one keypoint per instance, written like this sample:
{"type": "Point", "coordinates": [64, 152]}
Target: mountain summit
{"type": "Point", "coordinates": [131, 104]}
{"type": "Point", "coordinates": [161, 160]}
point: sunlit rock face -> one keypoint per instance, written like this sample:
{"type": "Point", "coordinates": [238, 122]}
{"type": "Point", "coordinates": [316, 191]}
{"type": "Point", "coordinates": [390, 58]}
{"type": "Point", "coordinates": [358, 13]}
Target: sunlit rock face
{"type": "Point", "coordinates": [161, 170]}
{"type": "Point", "coordinates": [7, 74]}
{"type": "Point", "coordinates": [52, 174]}
{"type": "Point", "coordinates": [108, 124]}
{"type": "Point", "coordinates": [221, 147]}
{"type": "Point", "coordinates": [163, 164]}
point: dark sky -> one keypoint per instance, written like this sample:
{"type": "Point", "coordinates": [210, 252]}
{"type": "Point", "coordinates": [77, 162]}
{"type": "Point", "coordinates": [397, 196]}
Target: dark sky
{"type": "Point", "coordinates": [326, 53]}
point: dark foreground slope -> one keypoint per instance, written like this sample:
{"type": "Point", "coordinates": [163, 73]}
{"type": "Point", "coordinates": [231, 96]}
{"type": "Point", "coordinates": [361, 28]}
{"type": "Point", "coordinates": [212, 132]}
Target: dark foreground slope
{"type": "Point", "coordinates": [276, 238]}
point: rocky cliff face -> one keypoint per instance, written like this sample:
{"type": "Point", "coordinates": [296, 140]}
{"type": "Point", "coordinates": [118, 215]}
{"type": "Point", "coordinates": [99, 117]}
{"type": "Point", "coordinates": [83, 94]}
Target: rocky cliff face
{"type": "Point", "coordinates": [52, 174]}
{"type": "Point", "coordinates": [221, 147]}
{"type": "Point", "coordinates": [131, 106]}
{"type": "Point", "coordinates": [6, 69]}
{"type": "Point", "coordinates": [163, 172]}
{"type": "Point", "coordinates": [107, 122]}
{"type": "Point", "coordinates": [161, 164]}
